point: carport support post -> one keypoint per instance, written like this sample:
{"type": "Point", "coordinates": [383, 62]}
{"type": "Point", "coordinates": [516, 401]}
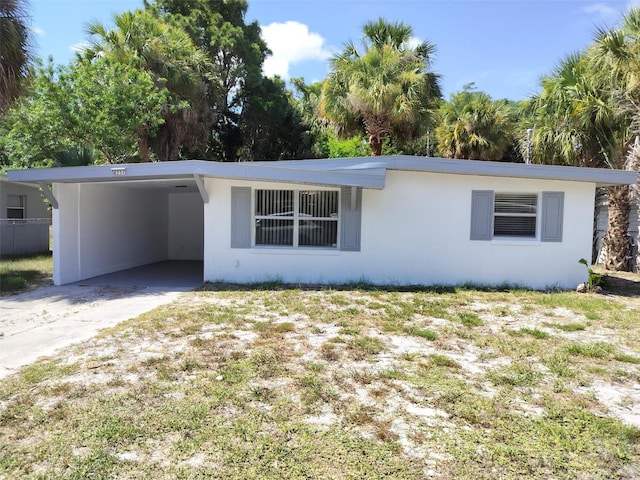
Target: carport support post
{"type": "Point", "coordinates": [49, 194]}
{"type": "Point", "coordinates": [201, 188]}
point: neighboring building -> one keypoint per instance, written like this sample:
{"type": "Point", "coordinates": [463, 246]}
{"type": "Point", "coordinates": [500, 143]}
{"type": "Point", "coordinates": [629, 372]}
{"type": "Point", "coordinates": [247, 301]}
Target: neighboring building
{"type": "Point", "coordinates": [385, 220]}
{"type": "Point", "coordinates": [24, 219]}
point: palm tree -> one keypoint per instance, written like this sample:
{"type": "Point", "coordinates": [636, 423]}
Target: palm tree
{"type": "Point", "coordinates": [386, 88]}
{"type": "Point", "coordinates": [15, 52]}
{"type": "Point", "coordinates": [149, 43]}
{"type": "Point", "coordinates": [577, 122]}
{"type": "Point", "coordinates": [76, 156]}
{"type": "Point", "coordinates": [472, 126]}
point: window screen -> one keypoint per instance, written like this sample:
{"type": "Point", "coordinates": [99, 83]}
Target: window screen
{"type": "Point", "coordinates": [515, 215]}
{"type": "Point", "coordinates": [296, 218]}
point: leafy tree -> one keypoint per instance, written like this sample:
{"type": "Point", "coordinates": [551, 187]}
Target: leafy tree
{"type": "Point", "coordinates": [101, 104]}
{"type": "Point", "coordinates": [164, 50]}
{"type": "Point", "coordinates": [15, 50]}
{"type": "Point", "coordinates": [385, 89]}
{"type": "Point", "coordinates": [235, 82]}
{"type": "Point", "coordinates": [347, 147]}
{"type": "Point", "coordinates": [317, 134]}
{"type": "Point", "coordinates": [472, 126]}
{"type": "Point", "coordinates": [271, 127]}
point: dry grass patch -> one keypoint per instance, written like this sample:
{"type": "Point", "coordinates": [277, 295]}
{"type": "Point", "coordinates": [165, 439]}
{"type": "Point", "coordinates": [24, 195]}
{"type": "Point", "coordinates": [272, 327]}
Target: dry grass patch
{"type": "Point", "coordinates": [287, 383]}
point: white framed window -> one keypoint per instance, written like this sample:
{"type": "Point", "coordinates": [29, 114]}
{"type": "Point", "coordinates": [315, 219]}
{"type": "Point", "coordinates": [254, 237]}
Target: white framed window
{"type": "Point", "coordinates": [515, 215]}
{"type": "Point", "coordinates": [16, 207]}
{"type": "Point", "coordinates": [530, 216]}
{"type": "Point", "coordinates": [296, 218]}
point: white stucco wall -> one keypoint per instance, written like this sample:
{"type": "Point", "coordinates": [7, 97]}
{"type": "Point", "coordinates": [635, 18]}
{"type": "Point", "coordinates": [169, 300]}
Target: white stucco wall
{"type": "Point", "coordinates": [100, 229]}
{"type": "Point", "coordinates": [186, 229]}
{"type": "Point", "coordinates": [414, 231]}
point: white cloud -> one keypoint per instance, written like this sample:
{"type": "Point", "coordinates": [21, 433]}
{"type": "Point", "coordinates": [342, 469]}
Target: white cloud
{"type": "Point", "coordinates": [291, 42]}
{"type": "Point", "coordinates": [601, 10]}
{"type": "Point", "coordinates": [37, 31]}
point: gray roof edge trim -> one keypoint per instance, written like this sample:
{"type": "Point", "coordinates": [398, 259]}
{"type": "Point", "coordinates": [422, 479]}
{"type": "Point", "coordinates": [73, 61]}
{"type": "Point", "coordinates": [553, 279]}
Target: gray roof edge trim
{"type": "Point", "coordinates": [138, 171]}
{"type": "Point", "coordinates": [600, 176]}
{"type": "Point", "coordinates": [374, 179]}
{"type": "Point", "coordinates": [363, 171]}
{"type": "Point", "coordinates": [367, 178]}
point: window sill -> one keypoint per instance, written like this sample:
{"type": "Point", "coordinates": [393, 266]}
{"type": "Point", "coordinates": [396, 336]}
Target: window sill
{"type": "Point", "coordinates": [522, 242]}
{"type": "Point", "coordinates": [294, 251]}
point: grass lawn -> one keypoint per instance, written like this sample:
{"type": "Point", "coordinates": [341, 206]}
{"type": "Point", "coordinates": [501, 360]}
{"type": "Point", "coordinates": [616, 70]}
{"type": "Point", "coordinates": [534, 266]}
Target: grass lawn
{"type": "Point", "coordinates": [236, 383]}
{"type": "Point", "coordinates": [21, 273]}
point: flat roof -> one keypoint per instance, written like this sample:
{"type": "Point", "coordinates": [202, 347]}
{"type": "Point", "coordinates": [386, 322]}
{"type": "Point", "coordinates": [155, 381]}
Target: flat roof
{"type": "Point", "coordinates": [366, 172]}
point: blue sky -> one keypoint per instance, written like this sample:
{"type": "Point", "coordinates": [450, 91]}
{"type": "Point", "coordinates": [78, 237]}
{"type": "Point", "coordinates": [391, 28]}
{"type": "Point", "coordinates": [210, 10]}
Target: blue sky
{"type": "Point", "coordinates": [504, 46]}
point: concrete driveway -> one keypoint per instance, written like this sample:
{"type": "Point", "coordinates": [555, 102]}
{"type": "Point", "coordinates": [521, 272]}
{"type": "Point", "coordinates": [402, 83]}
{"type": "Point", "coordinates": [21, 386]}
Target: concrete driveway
{"type": "Point", "coordinates": [43, 320]}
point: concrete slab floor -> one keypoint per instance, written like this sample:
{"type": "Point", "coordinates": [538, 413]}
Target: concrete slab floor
{"type": "Point", "coordinates": [177, 273]}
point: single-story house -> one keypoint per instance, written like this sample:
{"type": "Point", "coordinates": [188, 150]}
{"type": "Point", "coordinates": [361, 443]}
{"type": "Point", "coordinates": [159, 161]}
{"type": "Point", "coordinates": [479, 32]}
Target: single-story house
{"type": "Point", "coordinates": [24, 219]}
{"type": "Point", "coordinates": [394, 220]}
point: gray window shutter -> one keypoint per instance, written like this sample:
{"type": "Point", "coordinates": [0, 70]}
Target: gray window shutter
{"type": "Point", "coordinates": [481, 214]}
{"type": "Point", "coordinates": [552, 216]}
{"type": "Point", "coordinates": [350, 218]}
{"type": "Point", "coordinates": [240, 217]}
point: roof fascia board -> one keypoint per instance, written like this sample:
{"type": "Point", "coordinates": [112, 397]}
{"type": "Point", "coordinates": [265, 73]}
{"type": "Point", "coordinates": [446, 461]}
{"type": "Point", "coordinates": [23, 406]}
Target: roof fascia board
{"type": "Point", "coordinates": [365, 172]}
{"type": "Point", "coordinates": [600, 176]}
{"type": "Point", "coordinates": [366, 178]}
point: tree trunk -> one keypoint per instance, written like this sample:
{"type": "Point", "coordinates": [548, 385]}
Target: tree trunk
{"type": "Point", "coordinates": [143, 144]}
{"type": "Point", "coordinates": [633, 164]}
{"type": "Point", "coordinates": [600, 195]}
{"type": "Point", "coordinates": [617, 242]}
{"type": "Point", "coordinates": [376, 145]}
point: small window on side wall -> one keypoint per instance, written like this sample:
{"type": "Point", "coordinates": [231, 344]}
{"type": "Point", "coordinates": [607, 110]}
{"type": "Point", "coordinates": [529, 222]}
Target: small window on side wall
{"type": "Point", "coordinates": [520, 215]}
{"type": "Point", "coordinates": [16, 207]}
{"type": "Point", "coordinates": [515, 215]}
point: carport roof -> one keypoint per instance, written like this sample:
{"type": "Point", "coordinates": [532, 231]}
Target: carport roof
{"type": "Point", "coordinates": [366, 172]}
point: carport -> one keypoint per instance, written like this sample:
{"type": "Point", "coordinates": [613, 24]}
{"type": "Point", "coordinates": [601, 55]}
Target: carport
{"type": "Point", "coordinates": [113, 218]}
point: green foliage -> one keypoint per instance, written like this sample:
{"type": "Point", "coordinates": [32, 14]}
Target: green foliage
{"type": "Point", "coordinates": [251, 116]}
{"type": "Point", "coordinates": [271, 127]}
{"type": "Point", "coordinates": [384, 90]}
{"type": "Point", "coordinates": [164, 51]}
{"type": "Point", "coordinates": [100, 104]}
{"type": "Point", "coordinates": [471, 125]}
{"type": "Point", "coordinates": [77, 156]}
{"type": "Point", "coordinates": [593, 279]}
{"type": "Point", "coordinates": [15, 50]}
{"type": "Point", "coordinates": [347, 148]}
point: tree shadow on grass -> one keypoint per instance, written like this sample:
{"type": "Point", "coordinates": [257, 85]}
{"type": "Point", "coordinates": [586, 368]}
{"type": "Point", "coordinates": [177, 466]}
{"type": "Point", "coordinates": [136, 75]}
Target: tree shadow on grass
{"type": "Point", "coordinates": [17, 281]}
{"type": "Point", "coordinates": [626, 284]}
